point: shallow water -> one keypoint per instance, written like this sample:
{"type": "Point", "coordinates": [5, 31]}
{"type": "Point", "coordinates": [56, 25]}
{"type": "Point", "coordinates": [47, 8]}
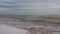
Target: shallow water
{"type": "Point", "coordinates": [12, 25]}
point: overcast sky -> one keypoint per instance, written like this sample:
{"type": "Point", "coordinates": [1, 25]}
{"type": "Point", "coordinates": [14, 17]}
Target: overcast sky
{"type": "Point", "coordinates": [29, 7]}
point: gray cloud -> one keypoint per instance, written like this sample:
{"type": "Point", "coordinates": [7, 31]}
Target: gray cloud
{"type": "Point", "coordinates": [29, 6]}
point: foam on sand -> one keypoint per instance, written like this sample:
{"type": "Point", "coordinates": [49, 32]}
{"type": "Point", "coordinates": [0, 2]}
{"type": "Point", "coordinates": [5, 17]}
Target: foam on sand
{"type": "Point", "coordinates": [4, 29]}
